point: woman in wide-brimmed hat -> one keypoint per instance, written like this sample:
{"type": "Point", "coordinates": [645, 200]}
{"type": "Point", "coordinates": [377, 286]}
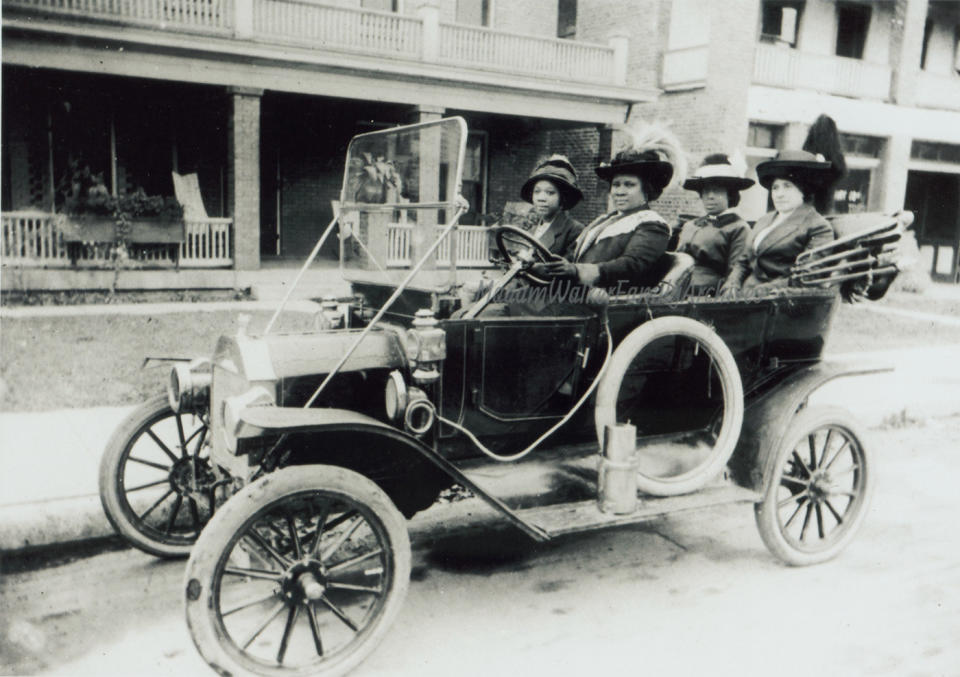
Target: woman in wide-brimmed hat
{"type": "Point", "coordinates": [717, 240]}
{"type": "Point", "coordinates": [552, 189]}
{"type": "Point", "coordinates": [622, 246]}
{"type": "Point", "coordinates": [797, 180]}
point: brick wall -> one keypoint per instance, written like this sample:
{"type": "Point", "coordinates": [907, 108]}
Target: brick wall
{"type": "Point", "coordinates": [640, 19]}
{"type": "Point", "coordinates": [243, 177]}
{"type": "Point", "coordinates": [531, 17]}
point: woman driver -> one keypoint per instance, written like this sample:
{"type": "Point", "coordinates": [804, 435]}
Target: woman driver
{"type": "Point", "coordinates": [623, 246]}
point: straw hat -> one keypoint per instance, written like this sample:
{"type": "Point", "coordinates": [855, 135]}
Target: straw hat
{"type": "Point", "coordinates": [717, 170]}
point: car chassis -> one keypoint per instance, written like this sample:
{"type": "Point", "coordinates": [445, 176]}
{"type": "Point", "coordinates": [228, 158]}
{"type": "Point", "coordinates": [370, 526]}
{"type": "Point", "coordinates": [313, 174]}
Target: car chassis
{"type": "Point", "coordinates": [293, 459]}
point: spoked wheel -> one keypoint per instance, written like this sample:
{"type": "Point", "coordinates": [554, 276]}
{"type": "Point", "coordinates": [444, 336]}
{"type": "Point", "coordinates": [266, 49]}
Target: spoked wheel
{"type": "Point", "coordinates": [819, 491]}
{"type": "Point", "coordinates": [156, 482]}
{"type": "Point", "coordinates": [301, 572]}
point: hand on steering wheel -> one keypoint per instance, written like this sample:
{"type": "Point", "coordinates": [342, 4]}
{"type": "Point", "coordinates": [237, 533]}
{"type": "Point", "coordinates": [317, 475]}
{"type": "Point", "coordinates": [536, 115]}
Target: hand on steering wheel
{"type": "Point", "coordinates": [541, 258]}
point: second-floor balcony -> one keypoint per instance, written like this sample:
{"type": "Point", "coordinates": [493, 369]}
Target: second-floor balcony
{"type": "Point", "coordinates": [416, 39]}
{"type": "Point", "coordinates": [782, 66]}
{"type": "Point", "coordinates": [936, 90]}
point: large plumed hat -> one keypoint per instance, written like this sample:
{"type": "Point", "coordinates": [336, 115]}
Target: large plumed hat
{"type": "Point", "coordinates": [802, 168]}
{"type": "Point", "coordinates": [717, 170]}
{"type": "Point", "coordinates": [560, 172]}
{"type": "Point", "coordinates": [654, 154]}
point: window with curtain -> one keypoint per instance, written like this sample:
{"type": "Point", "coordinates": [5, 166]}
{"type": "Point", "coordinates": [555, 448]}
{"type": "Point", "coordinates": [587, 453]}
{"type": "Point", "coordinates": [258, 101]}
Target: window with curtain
{"type": "Point", "coordinates": [780, 22]}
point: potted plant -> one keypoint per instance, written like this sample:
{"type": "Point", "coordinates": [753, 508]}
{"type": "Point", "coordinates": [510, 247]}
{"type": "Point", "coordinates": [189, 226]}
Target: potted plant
{"type": "Point", "coordinates": [90, 214]}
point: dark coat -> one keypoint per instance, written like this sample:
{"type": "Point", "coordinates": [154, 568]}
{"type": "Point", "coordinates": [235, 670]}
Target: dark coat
{"type": "Point", "coordinates": [804, 229]}
{"type": "Point", "coordinates": [625, 246]}
{"type": "Point", "coordinates": [561, 236]}
{"type": "Point", "coordinates": [716, 244]}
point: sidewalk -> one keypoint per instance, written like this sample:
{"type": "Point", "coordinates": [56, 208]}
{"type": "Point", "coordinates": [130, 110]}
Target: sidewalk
{"type": "Point", "coordinates": [49, 492]}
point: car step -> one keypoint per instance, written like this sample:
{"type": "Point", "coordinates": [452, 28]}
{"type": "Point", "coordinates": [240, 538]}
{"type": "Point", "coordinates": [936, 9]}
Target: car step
{"type": "Point", "coordinates": [568, 518]}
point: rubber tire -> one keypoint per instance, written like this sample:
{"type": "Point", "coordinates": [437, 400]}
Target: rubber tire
{"type": "Point", "coordinates": [765, 512]}
{"type": "Point", "coordinates": [218, 538]}
{"type": "Point", "coordinates": [155, 408]}
{"type": "Point", "coordinates": [633, 344]}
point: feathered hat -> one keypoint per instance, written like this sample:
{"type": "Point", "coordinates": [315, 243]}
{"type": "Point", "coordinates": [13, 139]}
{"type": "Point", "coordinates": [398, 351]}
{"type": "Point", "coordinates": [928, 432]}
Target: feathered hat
{"type": "Point", "coordinates": [654, 154]}
{"type": "Point", "coordinates": [560, 172]}
{"type": "Point", "coordinates": [717, 170]}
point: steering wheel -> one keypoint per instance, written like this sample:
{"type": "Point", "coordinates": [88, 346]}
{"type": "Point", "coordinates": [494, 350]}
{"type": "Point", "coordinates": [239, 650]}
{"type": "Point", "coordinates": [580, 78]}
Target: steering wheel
{"type": "Point", "coordinates": [512, 235]}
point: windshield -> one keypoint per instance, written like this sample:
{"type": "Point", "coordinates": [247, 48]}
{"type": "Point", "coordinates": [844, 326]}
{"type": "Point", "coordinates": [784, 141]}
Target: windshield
{"type": "Point", "coordinates": [399, 193]}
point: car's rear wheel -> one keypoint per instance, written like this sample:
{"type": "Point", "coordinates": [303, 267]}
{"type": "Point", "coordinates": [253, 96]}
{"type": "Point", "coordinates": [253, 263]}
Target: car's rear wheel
{"type": "Point", "coordinates": [676, 381]}
{"type": "Point", "coordinates": [819, 489]}
{"type": "Point", "coordinates": [301, 572]}
{"type": "Point", "coordinates": [156, 483]}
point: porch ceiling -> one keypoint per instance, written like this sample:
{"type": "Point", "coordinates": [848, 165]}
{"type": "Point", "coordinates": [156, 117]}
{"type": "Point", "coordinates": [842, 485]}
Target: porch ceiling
{"type": "Point", "coordinates": [228, 62]}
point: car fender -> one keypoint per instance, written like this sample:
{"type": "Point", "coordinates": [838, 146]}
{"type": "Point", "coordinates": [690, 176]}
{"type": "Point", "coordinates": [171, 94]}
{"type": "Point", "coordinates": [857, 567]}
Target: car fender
{"type": "Point", "coordinates": [769, 411]}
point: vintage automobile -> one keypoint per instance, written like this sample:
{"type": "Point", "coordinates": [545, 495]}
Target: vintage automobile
{"type": "Point", "coordinates": [287, 463]}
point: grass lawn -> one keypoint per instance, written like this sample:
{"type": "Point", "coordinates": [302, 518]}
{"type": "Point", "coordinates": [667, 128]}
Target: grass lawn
{"type": "Point", "coordinates": [88, 361]}
{"type": "Point", "coordinates": [96, 360]}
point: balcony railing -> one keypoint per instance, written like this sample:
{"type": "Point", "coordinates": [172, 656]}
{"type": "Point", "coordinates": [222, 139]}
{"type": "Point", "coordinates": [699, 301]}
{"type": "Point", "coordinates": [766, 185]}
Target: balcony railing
{"type": "Point", "coordinates": [780, 66]}
{"type": "Point", "coordinates": [549, 57]}
{"type": "Point", "coordinates": [938, 91]}
{"type": "Point", "coordinates": [208, 15]}
{"type": "Point", "coordinates": [307, 23]}
{"type": "Point", "coordinates": [337, 27]}
{"type": "Point", "coordinates": [31, 239]}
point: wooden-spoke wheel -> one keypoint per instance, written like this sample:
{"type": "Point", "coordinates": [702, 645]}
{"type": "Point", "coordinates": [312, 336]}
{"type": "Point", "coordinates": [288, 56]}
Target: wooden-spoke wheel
{"type": "Point", "coordinates": [156, 482]}
{"type": "Point", "coordinates": [301, 572]}
{"type": "Point", "coordinates": [819, 490]}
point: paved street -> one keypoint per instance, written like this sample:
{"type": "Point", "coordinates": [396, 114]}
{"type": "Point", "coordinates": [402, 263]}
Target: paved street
{"type": "Point", "coordinates": [690, 594]}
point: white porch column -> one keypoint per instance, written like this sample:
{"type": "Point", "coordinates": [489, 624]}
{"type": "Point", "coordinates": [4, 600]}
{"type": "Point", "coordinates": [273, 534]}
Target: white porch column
{"type": "Point", "coordinates": [429, 13]}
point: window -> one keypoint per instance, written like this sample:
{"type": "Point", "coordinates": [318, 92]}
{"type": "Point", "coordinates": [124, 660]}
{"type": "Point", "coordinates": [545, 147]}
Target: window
{"type": "Point", "coordinates": [474, 12]}
{"type": "Point", "coordinates": [956, 49]}
{"type": "Point", "coordinates": [567, 19]}
{"type": "Point", "coordinates": [862, 145]}
{"type": "Point", "coordinates": [853, 21]}
{"type": "Point", "coordinates": [381, 5]}
{"type": "Point", "coordinates": [850, 193]}
{"type": "Point", "coordinates": [927, 32]}
{"type": "Point", "coordinates": [475, 178]}
{"type": "Point", "coordinates": [938, 152]}
{"type": "Point", "coordinates": [780, 22]}
{"type": "Point", "coordinates": [762, 135]}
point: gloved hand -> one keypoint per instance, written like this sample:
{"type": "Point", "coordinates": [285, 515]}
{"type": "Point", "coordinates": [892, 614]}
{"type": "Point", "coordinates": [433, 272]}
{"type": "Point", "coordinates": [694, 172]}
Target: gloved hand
{"type": "Point", "coordinates": [554, 269]}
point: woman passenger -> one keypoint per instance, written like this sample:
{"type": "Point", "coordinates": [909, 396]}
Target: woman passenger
{"type": "Point", "coordinates": [718, 240]}
{"type": "Point", "coordinates": [622, 247]}
{"type": "Point", "coordinates": [552, 189]}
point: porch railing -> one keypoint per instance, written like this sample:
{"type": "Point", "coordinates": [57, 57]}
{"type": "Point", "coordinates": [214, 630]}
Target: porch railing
{"type": "Point", "coordinates": [472, 246]}
{"type": "Point", "coordinates": [781, 66]}
{"type": "Point", "coordinates": [486, 48]}
{"type": "Point", "coordinates": [31, 239]}
{"type": "Point", "coordinates": [324, 26]}
{"type": "Point", "coordinates": [309, 23]}
{"type": "Point", "coordinates": [204, 14]}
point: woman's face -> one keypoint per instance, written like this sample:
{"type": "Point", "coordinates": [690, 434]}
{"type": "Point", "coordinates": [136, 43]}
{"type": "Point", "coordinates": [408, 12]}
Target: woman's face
{"type": "Point", "coordinates": [714, 198]}
{"type": "Point", "coordinates": [546, 198]}
{"type": "Point", "coordinates": [626, 191]}
{"type": "Point", "coordinates": [786, 195]}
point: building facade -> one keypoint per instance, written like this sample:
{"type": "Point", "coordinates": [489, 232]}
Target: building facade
{"type": "Point", "coordinates": [259, 98]}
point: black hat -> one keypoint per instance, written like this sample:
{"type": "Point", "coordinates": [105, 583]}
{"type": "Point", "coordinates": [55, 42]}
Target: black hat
{"type": "Point", "coordinates": [560, 172]}
{"type": "Point", "coordinates": [802, 168]}
{"type": "Point", "coordinates": [645, 164]}
{"type": "Point", "coordinates": [717, 170]}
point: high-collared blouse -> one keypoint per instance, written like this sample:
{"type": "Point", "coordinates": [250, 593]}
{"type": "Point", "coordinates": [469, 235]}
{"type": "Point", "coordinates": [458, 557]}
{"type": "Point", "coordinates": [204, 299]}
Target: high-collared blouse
{"type": "Point", "coordinates": [716, 243]}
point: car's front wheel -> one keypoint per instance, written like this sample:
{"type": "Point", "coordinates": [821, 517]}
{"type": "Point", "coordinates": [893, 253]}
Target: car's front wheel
{"type": "Point", "coordinates": [156, 482]}
{"type": "Point", "coordinates": [301, 572]}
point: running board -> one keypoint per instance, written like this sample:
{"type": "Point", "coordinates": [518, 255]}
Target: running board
{"type": "Point", "coordinates": [570, 518]}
